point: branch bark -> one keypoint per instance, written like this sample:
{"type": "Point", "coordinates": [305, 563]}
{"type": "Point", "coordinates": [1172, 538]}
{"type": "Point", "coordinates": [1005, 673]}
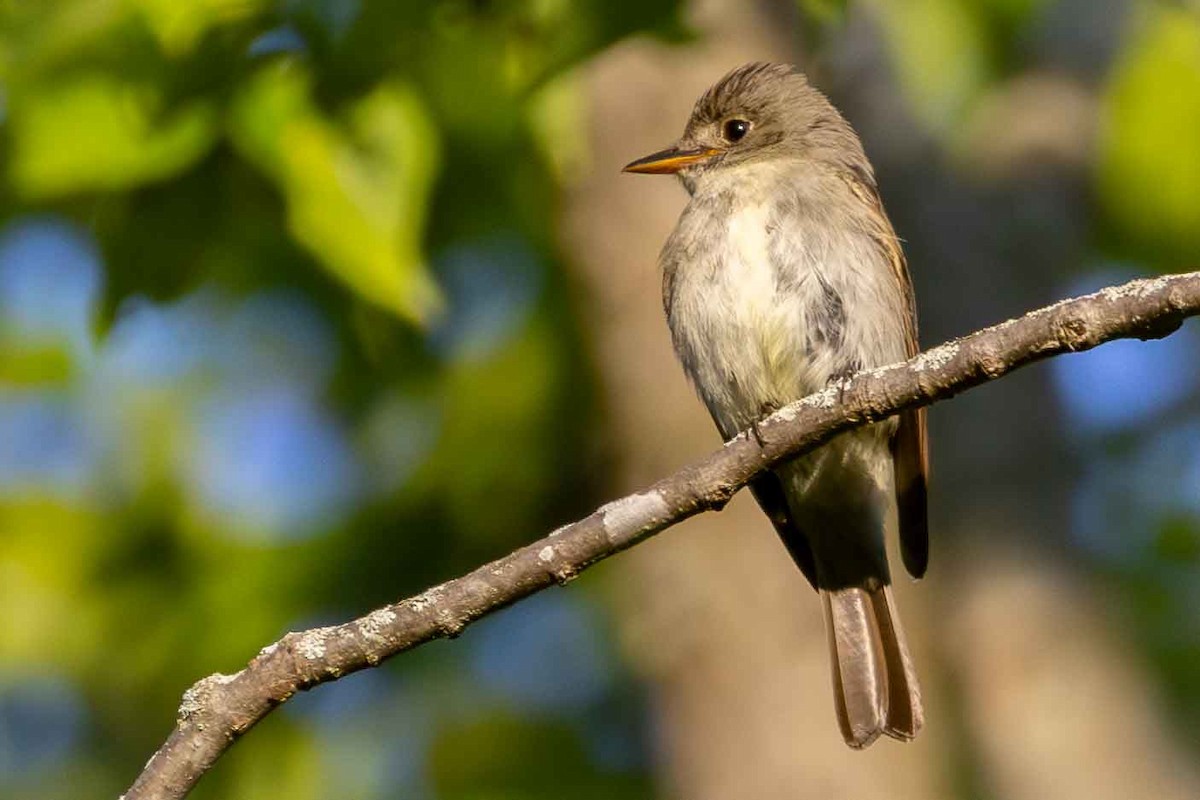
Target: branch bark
{"type": "Point", "coordinates": [218, 709]}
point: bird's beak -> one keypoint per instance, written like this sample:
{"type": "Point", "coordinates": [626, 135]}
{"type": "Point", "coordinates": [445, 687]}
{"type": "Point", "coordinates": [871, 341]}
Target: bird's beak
{"type": "Point", "coordinates": [668, 161]}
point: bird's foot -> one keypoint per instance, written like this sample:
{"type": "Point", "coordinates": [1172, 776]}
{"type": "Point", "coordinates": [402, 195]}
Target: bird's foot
{"type": "Point", "coordinates": [841, 379]}
{"type": "Point", "coordinates": [764, 411]}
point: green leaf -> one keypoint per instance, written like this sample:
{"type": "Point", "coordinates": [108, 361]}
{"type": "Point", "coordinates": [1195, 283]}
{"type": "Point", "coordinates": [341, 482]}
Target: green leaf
{"type": "Point", "coordinates": [99, 133]}
{"type": "Point", "coordinates": [556, 115]}
{"type": "Point", "coordinates": [940, 50]}
{"type": "Point", "coordinates": [823, 12]}
{"type": "Point", "coordinates": [1149, 160]}
{"type": "Point", "coordinates": [1178, 541]}
{"type": "Point", "coordinates": [356, 188]}
{"type": "Point", "coordinates": [178, 26]}
{"type": "Point", "coordinates": [42, 363]}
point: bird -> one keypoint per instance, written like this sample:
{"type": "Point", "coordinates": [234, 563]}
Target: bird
{"type": "Point", "coordinates": [784, 276]}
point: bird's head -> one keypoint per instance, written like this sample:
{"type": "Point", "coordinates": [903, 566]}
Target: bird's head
{"type": "Point", "coordinates": [757, 113]}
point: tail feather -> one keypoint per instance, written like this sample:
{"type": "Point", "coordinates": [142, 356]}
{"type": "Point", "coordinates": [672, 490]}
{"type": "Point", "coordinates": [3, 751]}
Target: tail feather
{"type": "Point", "coordinates": [875, 687]}
{"type": "Point", "coordinates": [905, 714]}
{"type": "Point", "coordinates": [860, 686]}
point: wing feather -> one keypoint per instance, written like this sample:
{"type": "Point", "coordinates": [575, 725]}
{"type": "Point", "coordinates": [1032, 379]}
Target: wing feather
{"type": "Point", "coordinates": [910, 447]}
{"type": "Point", "coordinates": [768, 491]}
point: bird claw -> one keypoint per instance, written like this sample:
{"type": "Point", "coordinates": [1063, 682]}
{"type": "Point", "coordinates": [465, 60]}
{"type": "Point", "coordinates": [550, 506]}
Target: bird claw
{"type": "Point", "coordinates": [766, 410]}
{"type": "Point", "coordinates": [756, 432]}
{"type": "Point", "coordinates": [841, 379]}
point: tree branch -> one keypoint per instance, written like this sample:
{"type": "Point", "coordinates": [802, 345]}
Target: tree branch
{"type": "Point", "coordinates": [220, 708]}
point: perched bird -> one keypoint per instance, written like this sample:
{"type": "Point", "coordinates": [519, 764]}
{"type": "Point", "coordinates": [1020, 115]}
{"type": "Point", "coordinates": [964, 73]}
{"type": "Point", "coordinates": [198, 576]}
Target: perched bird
{"type": "Point", "coordinates": [783, 275]}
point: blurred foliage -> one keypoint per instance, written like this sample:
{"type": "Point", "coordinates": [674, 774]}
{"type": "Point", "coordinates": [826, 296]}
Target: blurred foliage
{"type": "Point", "coordinates": [355, 199]}
{"type": "Point", "coordinates": [947, 52]}
{"type": "Point", "coordinates": [282, 317]}
{"type": "Point", "coordinates": [319, 326]}
{"type": "Point", "coordinates": [1149, 174]}
{"type": "Point", "coordinates": [938, 95]}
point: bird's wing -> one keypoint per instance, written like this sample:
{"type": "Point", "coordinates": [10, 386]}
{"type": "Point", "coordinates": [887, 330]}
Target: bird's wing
{"type": "Point", "coordinates": [910, 448]}
{"type": "Point", "coordinates": [768, 491]}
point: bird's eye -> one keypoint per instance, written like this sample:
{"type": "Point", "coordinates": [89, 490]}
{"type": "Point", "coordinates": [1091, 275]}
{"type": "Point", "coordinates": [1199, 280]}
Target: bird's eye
{"type": "Point", "coordinates": [735, 129]}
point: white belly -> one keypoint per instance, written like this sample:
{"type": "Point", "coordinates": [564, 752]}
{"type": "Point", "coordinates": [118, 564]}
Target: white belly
{"type": "Point", "coordinates": [741, 343]}
{"type": "Point", "coordinates": [744, 309]}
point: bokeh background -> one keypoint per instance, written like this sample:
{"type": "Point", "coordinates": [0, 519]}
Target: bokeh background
{"type": "Point", "coordinates": [308, 304]}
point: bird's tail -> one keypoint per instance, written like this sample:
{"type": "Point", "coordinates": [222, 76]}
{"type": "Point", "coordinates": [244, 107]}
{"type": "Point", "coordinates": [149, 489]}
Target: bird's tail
{"type": "Point", "coordinates": [874, 684]}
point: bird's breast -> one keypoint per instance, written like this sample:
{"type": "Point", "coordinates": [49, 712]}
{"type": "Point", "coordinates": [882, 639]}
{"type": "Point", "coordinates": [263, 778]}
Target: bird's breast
{"type": "Point", "coordinates": [738, 328]}
{"type": "Point", "coordinates": [769, 296]}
